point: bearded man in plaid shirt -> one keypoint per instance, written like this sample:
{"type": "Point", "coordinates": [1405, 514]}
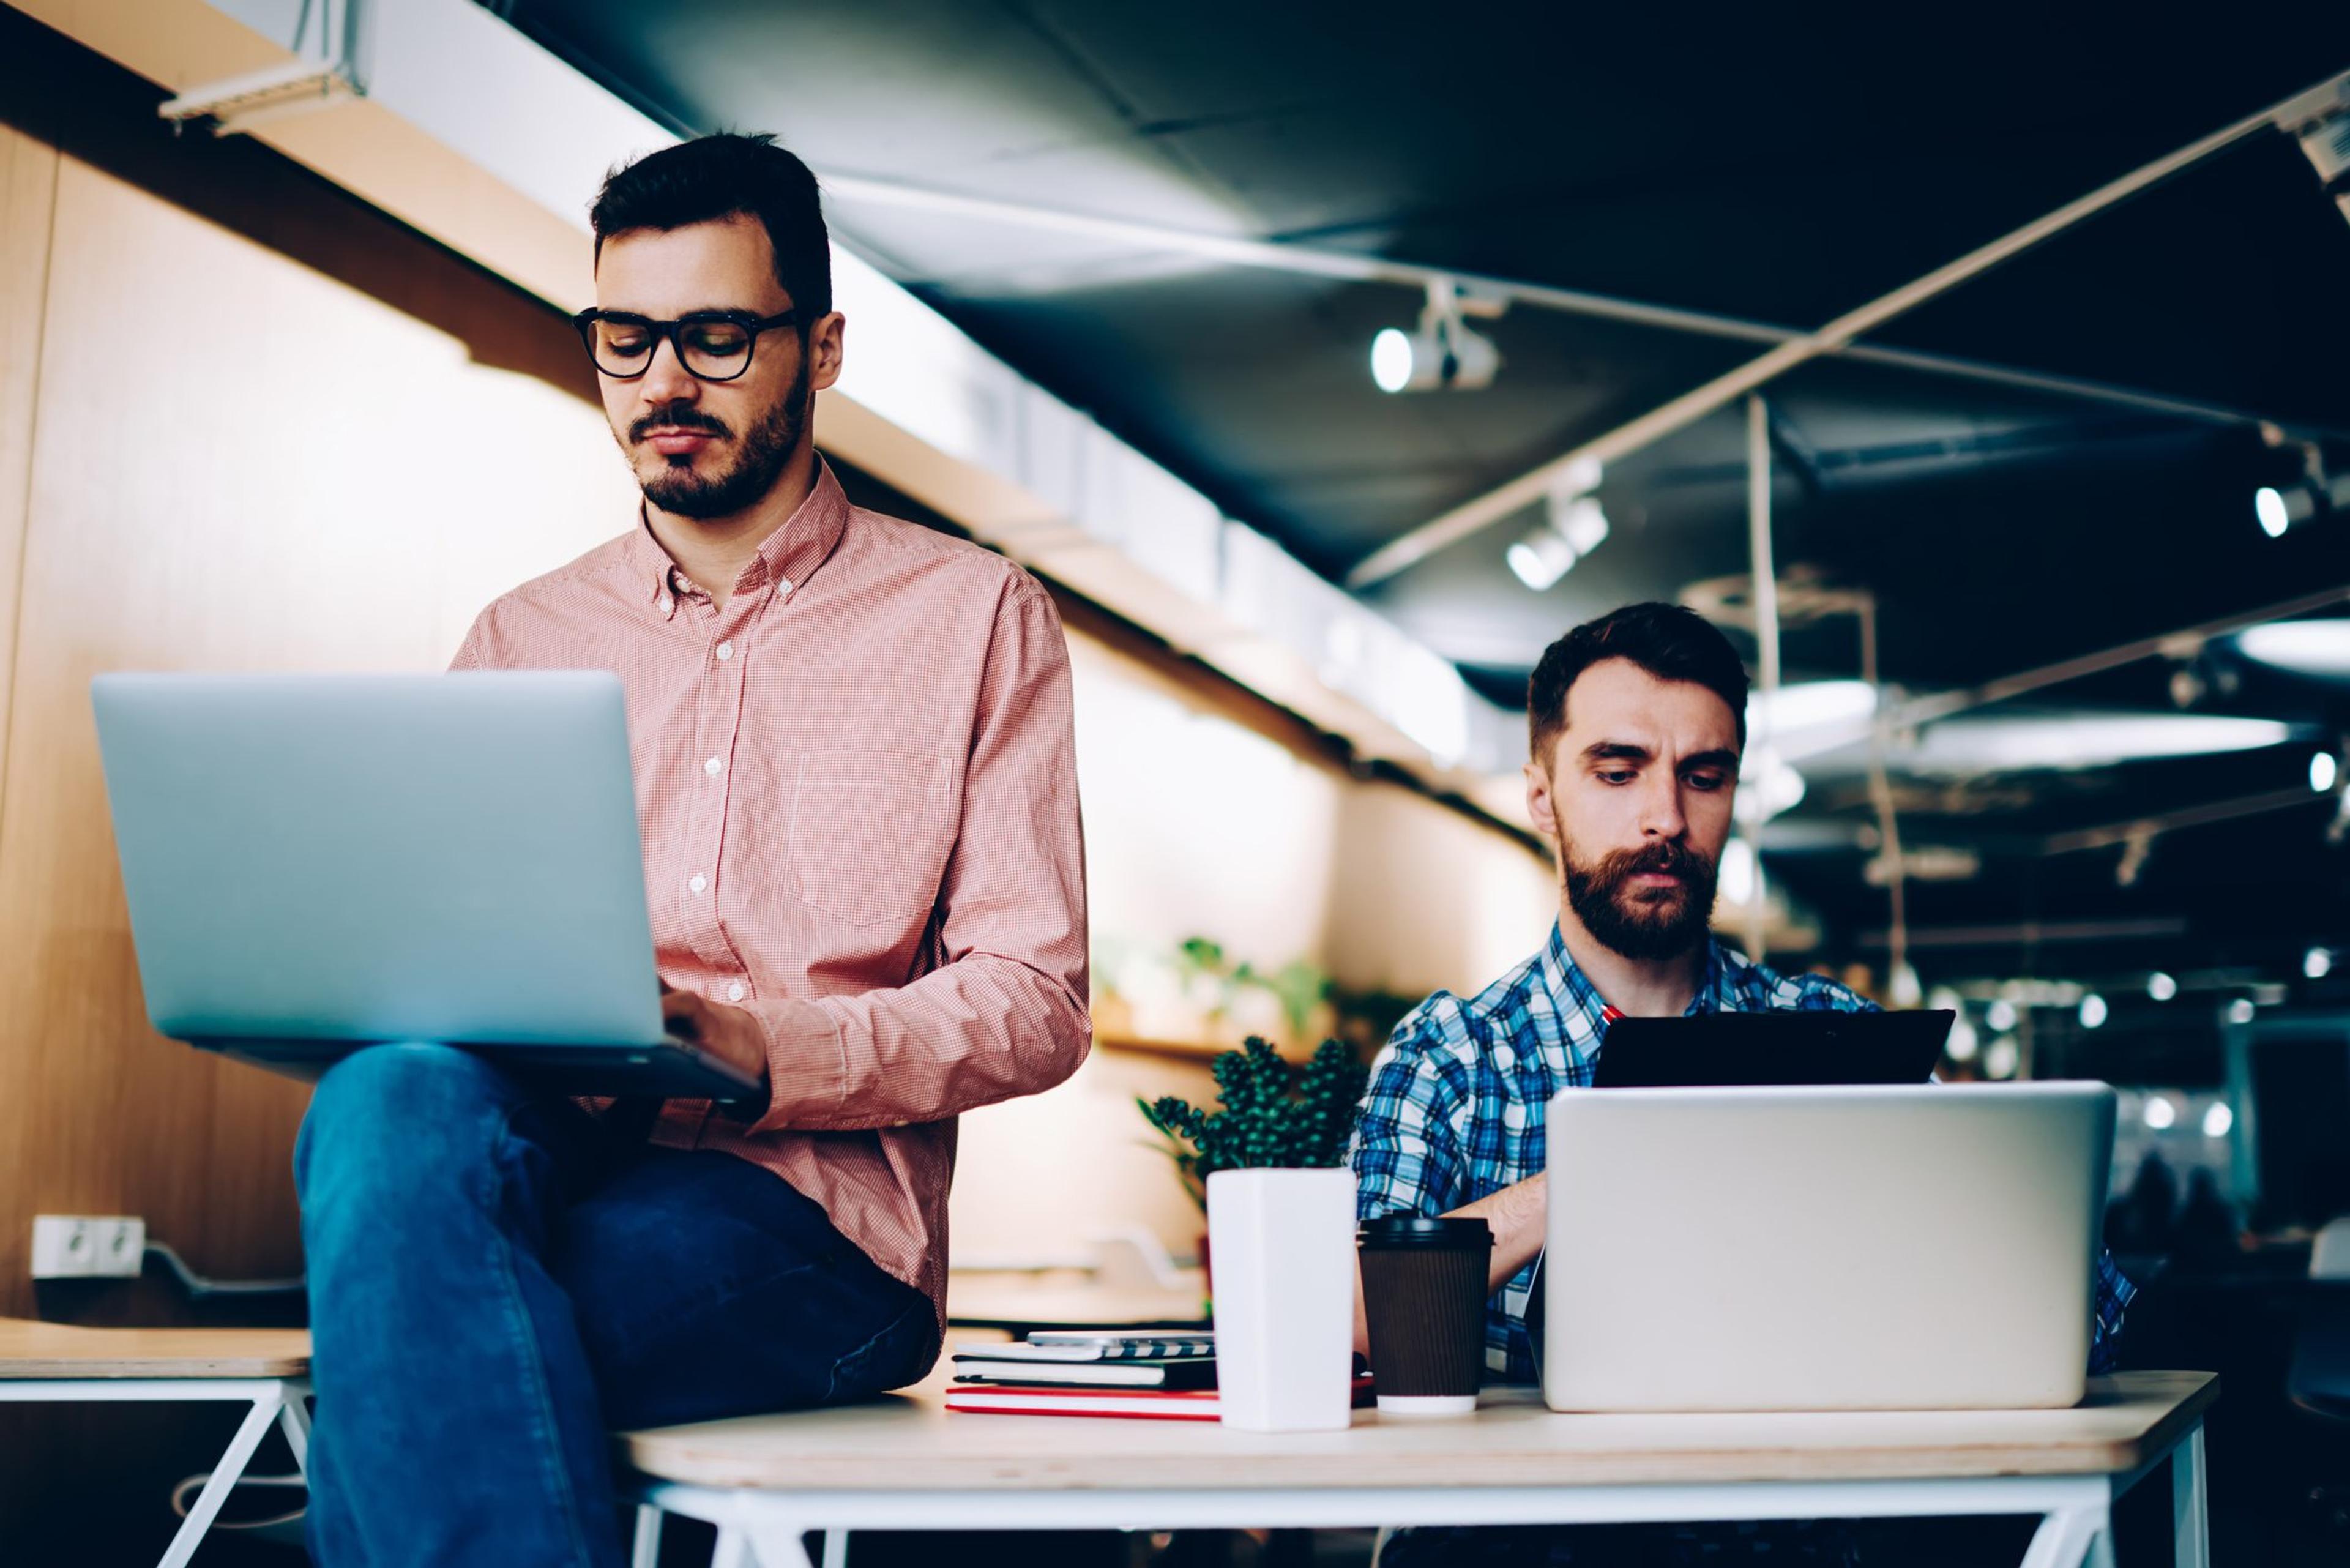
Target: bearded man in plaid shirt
{"type": "Point", "coordinates": [1638, 723]}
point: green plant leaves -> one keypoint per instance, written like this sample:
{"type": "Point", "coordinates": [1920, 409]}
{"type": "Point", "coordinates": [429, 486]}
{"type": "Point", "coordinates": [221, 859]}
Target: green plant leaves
{"type": "Point", "coordinates": [1273, 1115]}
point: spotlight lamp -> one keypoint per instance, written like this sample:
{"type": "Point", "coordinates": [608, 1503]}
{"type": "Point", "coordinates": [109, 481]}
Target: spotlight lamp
{"type": "Point", "coordinates": [1573, 525]}
{"type": "Point", "coordinates": [2296, 484]}
{"type": "Point", "coordinates": [2320, 120]}
{"type": "Point", "coordinates": [1442, 351]}
{"type": "Point", "coordinates": [1542, 557]}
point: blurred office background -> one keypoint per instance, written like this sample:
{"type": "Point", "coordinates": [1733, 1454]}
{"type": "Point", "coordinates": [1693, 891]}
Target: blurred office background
{"type": "Point", "coordinates": [2059, 560]}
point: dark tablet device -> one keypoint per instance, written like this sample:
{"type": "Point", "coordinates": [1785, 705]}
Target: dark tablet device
{"type": "Point", "coordinates": [1719, 1050]}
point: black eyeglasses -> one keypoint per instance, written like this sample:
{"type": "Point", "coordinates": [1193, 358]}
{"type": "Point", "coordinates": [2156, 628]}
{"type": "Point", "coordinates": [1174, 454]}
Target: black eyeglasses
{"type": "Point", "coordinates": [712, 345]}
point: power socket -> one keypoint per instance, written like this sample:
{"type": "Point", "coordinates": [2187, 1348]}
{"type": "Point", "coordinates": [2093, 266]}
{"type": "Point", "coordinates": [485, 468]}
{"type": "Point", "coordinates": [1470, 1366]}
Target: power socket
{"type": "Point", "coordinates": [68, 1246]}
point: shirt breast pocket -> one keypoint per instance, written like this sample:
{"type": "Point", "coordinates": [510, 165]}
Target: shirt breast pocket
{"type": "Point", "coordinates": [871, 833]}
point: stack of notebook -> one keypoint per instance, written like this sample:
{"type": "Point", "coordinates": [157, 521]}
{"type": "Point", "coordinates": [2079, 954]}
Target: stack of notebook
{"type": "Point", "coordinates": [1170, 1376]}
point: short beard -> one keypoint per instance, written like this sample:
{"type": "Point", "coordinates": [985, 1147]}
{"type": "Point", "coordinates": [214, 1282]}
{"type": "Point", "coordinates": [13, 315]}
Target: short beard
{"type": "Point", "coordinates": [1648, 924]}
{"type": "Point", "coordinates": [767, 447]}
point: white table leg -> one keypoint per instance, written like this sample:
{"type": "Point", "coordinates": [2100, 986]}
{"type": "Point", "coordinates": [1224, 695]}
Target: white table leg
{"type": "Point", "coordinates": [2190, 1516]}
{"type": "Point", "coordinates": [835, 1549]}
{"type": "Point", "coordinates": [733, 1549]}
{"type": "Point", "coordinates": [2074, 1538]}
{"type": "Point", "coordinates": [645, 1551]}
{"type": "Point", "coordinates": [294, 1421]}
{"type": "Point", "coordinates": [778, 1545]}
{"type": "Point", "coordinates": [231, 1464]}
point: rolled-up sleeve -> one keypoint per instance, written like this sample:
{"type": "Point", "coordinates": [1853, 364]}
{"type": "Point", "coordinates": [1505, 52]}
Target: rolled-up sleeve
{"type": "Point", "coordinates": [1004, 1012]}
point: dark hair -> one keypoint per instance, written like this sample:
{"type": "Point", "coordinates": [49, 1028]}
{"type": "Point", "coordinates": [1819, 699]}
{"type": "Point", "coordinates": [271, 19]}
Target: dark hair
{"type": "Point", "coordinates": [716, 177]}
{"type": "Point", "coordinates": [1668, 641]}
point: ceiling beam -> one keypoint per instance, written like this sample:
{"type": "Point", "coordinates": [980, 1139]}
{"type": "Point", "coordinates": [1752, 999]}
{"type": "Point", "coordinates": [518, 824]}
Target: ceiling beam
{"type": "Point", "coordinates": [2146, 829]}
{"type": "Point", "coordinates": [1681, 412]}
{"type": "Point", "coordinates": [2182, 644]}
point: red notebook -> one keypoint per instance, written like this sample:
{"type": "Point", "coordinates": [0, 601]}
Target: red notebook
{"type": "Point", "coordinates": [1144, 1404]}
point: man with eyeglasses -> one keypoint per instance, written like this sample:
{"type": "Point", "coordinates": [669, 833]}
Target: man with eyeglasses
{"type": "Point", "coordinates": [857, 787]}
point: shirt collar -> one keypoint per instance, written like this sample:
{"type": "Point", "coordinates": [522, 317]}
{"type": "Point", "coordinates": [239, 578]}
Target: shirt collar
{"type": "Point", "coordinates": [787, 558]}
{"type": "Point", "coordinates": [1576, 996]}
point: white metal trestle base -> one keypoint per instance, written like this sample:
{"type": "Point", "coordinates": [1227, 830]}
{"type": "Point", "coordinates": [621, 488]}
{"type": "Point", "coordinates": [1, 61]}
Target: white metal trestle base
{"type": "Point", "coordinates": [274, 1400]}
{"type": "Point", "coordinates": [765, 1527]}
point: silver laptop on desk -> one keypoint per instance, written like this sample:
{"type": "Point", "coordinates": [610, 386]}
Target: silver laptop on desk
{"type": "Point", "coordinates": [1865, 1247]}
{"type": "Point", "coordinates": [318, 862]}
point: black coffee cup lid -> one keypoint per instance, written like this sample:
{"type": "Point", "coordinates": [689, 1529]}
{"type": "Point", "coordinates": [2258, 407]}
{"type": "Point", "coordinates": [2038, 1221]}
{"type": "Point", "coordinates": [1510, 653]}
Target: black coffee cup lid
{"type": "Point", "coordinates": [1423, 1231]}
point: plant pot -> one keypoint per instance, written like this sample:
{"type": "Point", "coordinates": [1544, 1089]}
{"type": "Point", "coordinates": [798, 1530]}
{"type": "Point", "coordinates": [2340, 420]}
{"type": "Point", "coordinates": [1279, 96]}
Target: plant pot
{"type": "Point", "coordinates": [1284, 1248]}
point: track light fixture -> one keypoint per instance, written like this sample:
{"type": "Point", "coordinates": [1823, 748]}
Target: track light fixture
{"type": "Point", "coordinates": [1442, 351]}
{"type": "Point", "coordinates": [1573, 525]}
{"type": "Point", "coordinates": [2320, 120]}
{"type": "Point", "coordinates": [2297, 485]}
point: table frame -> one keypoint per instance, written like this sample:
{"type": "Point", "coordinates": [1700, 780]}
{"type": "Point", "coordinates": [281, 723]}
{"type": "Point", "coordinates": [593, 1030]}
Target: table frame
{"type": "Point", "coordinates": [274, 1401]}
{"type": "Point", "coordinates": [765, 1527]}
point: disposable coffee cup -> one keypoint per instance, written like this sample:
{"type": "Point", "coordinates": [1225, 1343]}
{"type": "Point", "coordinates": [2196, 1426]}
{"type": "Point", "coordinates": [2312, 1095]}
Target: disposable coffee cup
{"type": "Point", "coordinates": [1424, 1294]}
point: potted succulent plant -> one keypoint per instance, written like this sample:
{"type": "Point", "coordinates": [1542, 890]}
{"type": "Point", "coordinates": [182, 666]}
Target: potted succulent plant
{"type": "Point", "coordinates": [1270, 1167]}
{"type": "Point", "coordinates": [1274, 1116]}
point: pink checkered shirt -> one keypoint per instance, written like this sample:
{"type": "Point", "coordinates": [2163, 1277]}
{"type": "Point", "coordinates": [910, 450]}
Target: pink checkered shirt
{"type": "Point", "coordinates": [858, 793]}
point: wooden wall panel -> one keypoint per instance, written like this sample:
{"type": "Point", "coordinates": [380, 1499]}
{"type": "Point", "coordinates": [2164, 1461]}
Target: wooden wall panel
{"type": "Point", "coordinates": [238, 463]}
{"type": "Point", "coordinates": [29, 179]}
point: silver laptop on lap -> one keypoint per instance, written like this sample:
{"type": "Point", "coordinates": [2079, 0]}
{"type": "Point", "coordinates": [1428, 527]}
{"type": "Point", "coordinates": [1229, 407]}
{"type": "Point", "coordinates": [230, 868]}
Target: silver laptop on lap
{"type": "Point", "coordinates": [1862, 1248]}
{"type": "Point", "coordinates": [315, 863]}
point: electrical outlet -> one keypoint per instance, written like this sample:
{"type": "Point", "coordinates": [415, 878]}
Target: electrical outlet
{"type": "Point", "coordinates": [76, 1245]}
{"type": "Point", "coordinates": [118, 1246]}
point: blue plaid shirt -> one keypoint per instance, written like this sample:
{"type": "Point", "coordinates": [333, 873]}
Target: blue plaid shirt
{"type": "Point", "coordinates": [1457, 1100]}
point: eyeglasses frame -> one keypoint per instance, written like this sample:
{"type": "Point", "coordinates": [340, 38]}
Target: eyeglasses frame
{"type": "Point", "coordinates": [585, 323]}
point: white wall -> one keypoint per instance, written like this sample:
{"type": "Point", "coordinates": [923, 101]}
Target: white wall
{"type": "Point", "coordinates": [1197, 826]}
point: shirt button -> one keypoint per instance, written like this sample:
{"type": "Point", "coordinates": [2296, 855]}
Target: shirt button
{"type": "Point", "coordinates": [663, 605]}
{"type": "Point", "coordinates": [713, 767]}
{"type": "Point", "coordinates": [726, 651]}
{"type": "Point", "coordinates": [734, 992]}
{"type": "Point", "coordinates": [782, 584]}
{"type": "Point", "coordinates": [698, 882]}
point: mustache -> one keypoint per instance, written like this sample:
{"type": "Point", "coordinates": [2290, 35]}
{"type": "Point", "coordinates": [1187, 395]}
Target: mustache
{"type": "Point", "coordinates": [1662, 859]}
{"type": "Point", "coordinates": [677, 416]}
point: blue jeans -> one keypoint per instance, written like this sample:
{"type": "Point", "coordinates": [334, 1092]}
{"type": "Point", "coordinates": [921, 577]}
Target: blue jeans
{"type": "Point", "coordinates": [497, 1283]}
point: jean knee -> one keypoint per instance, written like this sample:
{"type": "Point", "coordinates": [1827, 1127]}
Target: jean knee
{"type": "Point", "coordinates": [390, 1113]}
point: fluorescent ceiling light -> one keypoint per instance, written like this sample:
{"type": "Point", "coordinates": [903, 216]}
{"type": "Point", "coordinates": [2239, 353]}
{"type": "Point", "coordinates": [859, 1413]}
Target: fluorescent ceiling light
{"type": "Point", "coordinates": [2318, 647]}
{"type": "Point", "coordinates": [2064, 741]}
{"type": "Point", "coordinates": [1813, 716]}
{"type": "Point", "coordinates": [2323, 771]}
